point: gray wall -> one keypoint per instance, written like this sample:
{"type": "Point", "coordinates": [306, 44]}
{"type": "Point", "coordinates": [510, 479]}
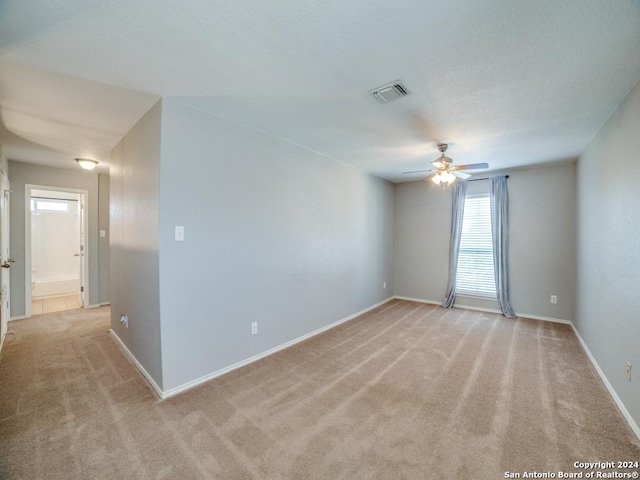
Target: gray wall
{"type": "Point", "coordinates": [608, 257]}
{"type": "Point", "coordinates": [541, 249]}
{"type": "Point", "coordinates": [274, 233]}
{"type": "Point", "coordinates": [4, 162]}
{"type": "Point", "coordinates": [422, 221]}
{"type": "Point", "coordinates": [103, 242]}
{"type": "Point", "coordinates": [135, 170]}
{"type": "Point", "coordinates": [21, 174]}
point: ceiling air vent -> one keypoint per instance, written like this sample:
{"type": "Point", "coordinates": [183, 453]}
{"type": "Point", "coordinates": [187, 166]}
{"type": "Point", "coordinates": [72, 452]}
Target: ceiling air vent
{"type": "Point", "coordinates": [389, 92]}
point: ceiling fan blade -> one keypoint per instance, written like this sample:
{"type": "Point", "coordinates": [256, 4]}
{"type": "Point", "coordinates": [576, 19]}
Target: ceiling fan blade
{"type": "Point", "coordinates": [471, 166]}
{"type": "Point", "coordinates": [417, 171]}
{"type": "Point", "coordinates": [438, 164]}
{"type": "Point", "coordinates": [461, 175]}
{"type": "Point", "coordinates": [429, 176]}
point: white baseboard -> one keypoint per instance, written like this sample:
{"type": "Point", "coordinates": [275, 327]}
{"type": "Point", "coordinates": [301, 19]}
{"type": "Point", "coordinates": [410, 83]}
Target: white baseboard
{"type": "Point", "coordinates": [97, 305]}
{"type": "Point", "coordinates": [478, 309]}
{"type": "Point", "coordinates": [544, 319]}
{"type": "Point", "coordinates": [488, 310]}
{"type": "Point", "coordinates": [625, 413]}
{"type": "Point", "coordinates": [194, 383]}
{"type": "Point", "coordinates": [94, 305]}
{"type": "Point", "coordinates": [138, 365]}
{"type": "Point", "coordinates": [420, 300]}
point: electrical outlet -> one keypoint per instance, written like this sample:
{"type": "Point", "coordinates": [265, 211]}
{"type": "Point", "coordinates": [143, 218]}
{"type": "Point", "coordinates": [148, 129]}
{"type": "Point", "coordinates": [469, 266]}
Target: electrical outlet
{"type": "Point", "coordinates": [384, 285]}
{"type": "Point", "coordinates": [124, 320]}
{"type": "Point", "coordinates": [554, 299]}
{"type": "Point", "coordinates": [629, 371]}
{"type": "Point", "coordinates": [254, 328]}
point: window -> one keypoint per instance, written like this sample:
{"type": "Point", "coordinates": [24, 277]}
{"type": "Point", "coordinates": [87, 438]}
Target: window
{"type": "Point", "coordinates": [51, 205]}
{"type": "Point", "coordinates": [475, 275]}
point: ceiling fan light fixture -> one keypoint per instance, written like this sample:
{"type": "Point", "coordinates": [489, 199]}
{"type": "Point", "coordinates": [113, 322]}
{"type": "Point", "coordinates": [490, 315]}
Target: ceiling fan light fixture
{"type": "Point", "coordinates": [448, 177]}
{"type": "Point", "coordinates": [445, 173]}
{"type": "Point", "coordinates": [444, 178]}
{"type": "Point", "coordinates": [87, 163]}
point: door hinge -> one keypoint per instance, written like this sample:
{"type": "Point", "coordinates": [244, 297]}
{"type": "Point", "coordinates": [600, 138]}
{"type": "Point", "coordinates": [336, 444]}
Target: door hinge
{"type": "Point", "coordinates": [82, 289]}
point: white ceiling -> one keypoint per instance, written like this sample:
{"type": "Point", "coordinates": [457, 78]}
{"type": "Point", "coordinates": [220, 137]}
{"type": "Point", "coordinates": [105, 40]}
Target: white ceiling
{"type": "Point", "coordinates": [508, 82]}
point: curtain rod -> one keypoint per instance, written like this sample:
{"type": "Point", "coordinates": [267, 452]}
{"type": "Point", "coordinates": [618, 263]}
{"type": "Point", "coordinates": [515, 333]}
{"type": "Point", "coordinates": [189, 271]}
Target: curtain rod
{"type": "Point", "coordinates": [488, 178]}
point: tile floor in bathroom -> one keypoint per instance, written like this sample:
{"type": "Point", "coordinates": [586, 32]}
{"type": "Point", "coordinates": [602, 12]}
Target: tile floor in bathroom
{"type": "Point", "coordinates": [41, 305]}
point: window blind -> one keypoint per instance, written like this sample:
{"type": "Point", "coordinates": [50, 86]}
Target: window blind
{"type": "Point", "coordinates": [475, 274]}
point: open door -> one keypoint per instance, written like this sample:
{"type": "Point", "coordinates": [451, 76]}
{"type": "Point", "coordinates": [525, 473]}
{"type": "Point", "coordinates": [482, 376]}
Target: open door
{"type": "Point", "coordinates": [57, 253]}
{"type": "Point", "coordinates": [5, 258]}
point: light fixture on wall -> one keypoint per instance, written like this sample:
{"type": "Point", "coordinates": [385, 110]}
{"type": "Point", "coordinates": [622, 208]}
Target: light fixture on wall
{"type": "Point", "coordinates": [87, 163]}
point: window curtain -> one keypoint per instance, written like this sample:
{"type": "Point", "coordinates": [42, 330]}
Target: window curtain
{"type": "Point", "coordinates": [459, 194]}
{"type": "Point", "coordinates": [500, 232]}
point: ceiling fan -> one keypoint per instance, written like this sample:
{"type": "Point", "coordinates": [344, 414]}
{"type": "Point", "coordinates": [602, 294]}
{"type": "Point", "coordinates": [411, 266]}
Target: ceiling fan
{"type": "Point", "coordinates": [445, 172]}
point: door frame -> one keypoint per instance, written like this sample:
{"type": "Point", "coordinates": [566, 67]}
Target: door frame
{"type": "Point", "coordinates": [84, 257]}
{"type": "Point", "coordinates": [5, 255]}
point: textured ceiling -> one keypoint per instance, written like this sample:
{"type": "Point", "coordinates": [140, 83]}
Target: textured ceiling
{"type": "Point", "coordinates": [505, 82]}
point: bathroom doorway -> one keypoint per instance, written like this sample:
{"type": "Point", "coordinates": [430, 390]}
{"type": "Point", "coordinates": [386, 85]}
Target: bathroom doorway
{"type": "Point", "coordinates": [56, 249]}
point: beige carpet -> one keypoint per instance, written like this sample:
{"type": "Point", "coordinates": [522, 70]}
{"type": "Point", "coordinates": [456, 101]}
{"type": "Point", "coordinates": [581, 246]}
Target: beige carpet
{"type": "Point", "coordinates": [407, 391]}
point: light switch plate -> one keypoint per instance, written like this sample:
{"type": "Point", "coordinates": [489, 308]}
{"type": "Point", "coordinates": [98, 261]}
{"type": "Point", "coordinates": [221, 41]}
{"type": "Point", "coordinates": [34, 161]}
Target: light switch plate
{"type": "Point", "coordinates": [179, 234]}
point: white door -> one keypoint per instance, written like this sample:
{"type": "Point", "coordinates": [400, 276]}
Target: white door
{"type": "Point", "coordinates": [5, 258]}
{"type": "Point", "coordinates": [57, 247]}
{"type": "Point", "coordinates": [81, 263]}
{"type": "Point", "coordinates": [54, 269]}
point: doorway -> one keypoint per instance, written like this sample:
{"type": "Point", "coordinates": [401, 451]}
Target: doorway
{"type": "Point", "coordinates": [55, 249]}
{"type": "Point", "coordinates": [5, 258]}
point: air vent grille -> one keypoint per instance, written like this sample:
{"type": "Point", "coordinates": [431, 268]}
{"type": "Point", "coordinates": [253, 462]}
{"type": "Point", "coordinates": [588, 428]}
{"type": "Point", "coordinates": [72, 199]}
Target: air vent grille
{"type": "Point", "coordinates": [389, 92]}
